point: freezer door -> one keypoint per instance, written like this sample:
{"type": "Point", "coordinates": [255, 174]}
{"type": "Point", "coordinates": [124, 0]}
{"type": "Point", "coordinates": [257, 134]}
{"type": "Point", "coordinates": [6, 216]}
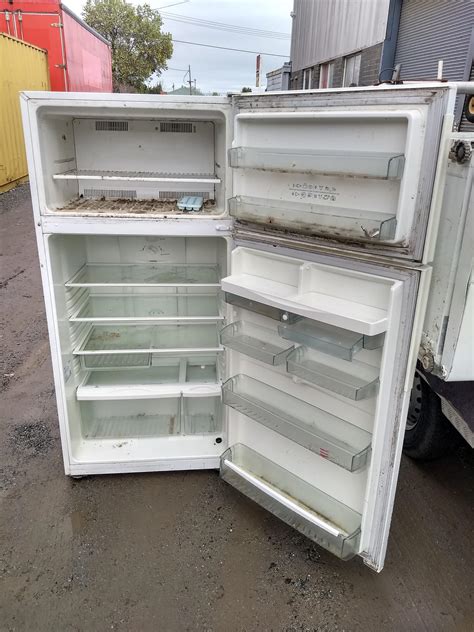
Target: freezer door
{"type": "Point", "coordinates": [320, 355]}
{"type": "Point", "coordinates": [353, 168]}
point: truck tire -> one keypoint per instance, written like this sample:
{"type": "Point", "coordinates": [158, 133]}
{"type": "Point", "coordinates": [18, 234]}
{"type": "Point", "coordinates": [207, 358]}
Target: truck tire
{"type": "Point", "coordinates": [428, 433]}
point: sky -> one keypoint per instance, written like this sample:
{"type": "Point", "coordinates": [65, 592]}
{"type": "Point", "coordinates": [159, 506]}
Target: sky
{"type": "Point", "coordinates": [221, 70]}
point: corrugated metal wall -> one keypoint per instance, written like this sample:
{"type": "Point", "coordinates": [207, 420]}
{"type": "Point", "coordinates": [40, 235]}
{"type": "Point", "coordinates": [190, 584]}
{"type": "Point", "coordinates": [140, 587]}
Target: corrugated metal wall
{"type": "Point", "coordinates": [327, 29]}
{"type": "Point", "coordinates": [22, 67]}
{"type": "Point", "coordinates": [431, 30]}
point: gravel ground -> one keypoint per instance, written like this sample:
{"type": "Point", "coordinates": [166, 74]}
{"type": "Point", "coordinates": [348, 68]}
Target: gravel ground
{"type": "Point", "coordinates": [184, 551]}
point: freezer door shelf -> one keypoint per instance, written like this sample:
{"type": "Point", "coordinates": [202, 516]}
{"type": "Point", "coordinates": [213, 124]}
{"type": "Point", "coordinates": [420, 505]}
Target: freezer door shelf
{"type": "Point", "coordinates": [323, 519]}
{"type": "Point", "coordinates": [348, 162]}
{"type": "Point", "coordinates": [329, 436]}
{"type": "Point", "coordinates": [318, 292]}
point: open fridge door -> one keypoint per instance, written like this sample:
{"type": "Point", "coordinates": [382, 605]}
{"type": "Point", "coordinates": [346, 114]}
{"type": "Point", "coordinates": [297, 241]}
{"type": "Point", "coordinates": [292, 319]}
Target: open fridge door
{"type": "Point", "coordinates": [350, 168]}
{"type": "Point", "coordinates": [320, 359]}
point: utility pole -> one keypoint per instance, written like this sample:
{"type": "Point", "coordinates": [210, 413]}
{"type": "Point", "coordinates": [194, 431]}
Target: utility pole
{"type": "Point", "coordinates": [190, 81]}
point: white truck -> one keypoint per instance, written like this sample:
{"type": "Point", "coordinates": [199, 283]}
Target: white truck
{"type": "Point", "coordinates": [241, 283]}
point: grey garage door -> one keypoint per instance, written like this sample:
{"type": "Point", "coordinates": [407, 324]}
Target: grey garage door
{"type": "Point", "coordinates": [431, 30]}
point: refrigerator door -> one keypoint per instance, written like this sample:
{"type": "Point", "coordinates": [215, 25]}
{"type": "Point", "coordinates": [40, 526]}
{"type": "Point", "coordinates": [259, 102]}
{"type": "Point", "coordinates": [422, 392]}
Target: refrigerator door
{"type": "Point", "coordinates": [352, 169]}
{"type": "Point", "coordinates": [320, 353]}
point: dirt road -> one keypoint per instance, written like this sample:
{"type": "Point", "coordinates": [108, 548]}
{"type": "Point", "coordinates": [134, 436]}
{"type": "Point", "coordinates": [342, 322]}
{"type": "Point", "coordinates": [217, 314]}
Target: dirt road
{"type": "Point", "coordinates": [184, 551]}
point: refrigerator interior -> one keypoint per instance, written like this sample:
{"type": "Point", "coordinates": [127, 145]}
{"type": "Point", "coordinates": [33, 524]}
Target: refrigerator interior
{"type": "Point", "coordinates": [138, 321]}
{"type": "Point", "coordinates": [140, 163]}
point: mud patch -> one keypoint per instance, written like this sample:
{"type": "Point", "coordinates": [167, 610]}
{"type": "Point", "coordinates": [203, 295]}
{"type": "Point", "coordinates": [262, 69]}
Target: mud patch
{"type": "Point", "coordinates": [33, 439]}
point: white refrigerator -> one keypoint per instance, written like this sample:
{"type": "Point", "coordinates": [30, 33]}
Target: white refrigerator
{"type": "Point", "coordinates": [271, 331]}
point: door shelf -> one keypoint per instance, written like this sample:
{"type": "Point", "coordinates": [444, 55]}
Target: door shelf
{"type": "Point", "coordinates": [123, 308]}
{"type": "Point", "coordinates": [257, 342]}
{"type": "Point", "coordinates": [135, 176]}
{"type": "Point", "coordinates": [335, 341]}
{"type": "Point", "coordinates": [347, 162]}
{"type": "Point", "coordinates": [325, 434]}
{"type": "Point", "coordinates": [260, 308]}
{"type": "Point", "coordinates": [320, 517]}
{"type": "Point", "coordinates": [315, 218]}
{"type": "Point", "coordinates": [105, 339]}
{"type": "Point", "coordinates": [169, 376]}
{"type": "Point", "coordinates": [145, 275]}
{"type": "Point", "coordinates": [355, 380]}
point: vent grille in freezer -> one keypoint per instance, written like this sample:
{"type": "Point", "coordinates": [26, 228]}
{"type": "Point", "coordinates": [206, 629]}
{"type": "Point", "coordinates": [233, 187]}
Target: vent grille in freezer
{"type": "Point", "coordinates": [111, 126]}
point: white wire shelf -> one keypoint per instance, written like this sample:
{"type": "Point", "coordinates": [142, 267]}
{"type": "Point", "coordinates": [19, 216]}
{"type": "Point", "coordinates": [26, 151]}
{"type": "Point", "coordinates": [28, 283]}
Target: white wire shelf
{"type": "Point", "coordinates": [136, 176]}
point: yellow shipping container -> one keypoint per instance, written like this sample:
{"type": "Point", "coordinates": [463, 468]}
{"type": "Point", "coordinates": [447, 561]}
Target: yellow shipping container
{"type": "Point", "coordinates": [22, 67]}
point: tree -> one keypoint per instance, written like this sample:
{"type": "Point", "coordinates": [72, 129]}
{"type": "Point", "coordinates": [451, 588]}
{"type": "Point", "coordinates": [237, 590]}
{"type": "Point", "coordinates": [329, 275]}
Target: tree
{"type": "Point", "coordinates": [246, 89]}
{"type": "Point", "coordinates": [139, 48]}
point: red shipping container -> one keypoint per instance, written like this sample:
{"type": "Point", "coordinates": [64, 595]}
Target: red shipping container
{"type": "Point", "coordinates": [79, 58]}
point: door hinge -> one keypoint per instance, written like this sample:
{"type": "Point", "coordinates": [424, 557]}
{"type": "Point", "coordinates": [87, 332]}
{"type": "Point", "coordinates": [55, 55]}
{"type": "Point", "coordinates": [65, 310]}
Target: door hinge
{"type": "Point", "coordinates": [58, 25]}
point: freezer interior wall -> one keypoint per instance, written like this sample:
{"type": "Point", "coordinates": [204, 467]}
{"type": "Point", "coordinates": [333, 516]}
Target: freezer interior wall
{"type": "Point", "coordinates": [95, 428]}
{"type": "Point", "coordinates": [127, 150]}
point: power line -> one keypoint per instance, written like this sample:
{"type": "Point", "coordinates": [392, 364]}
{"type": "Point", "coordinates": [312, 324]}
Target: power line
{"type": "Point", "coordinates": [238, 50]}
{"type": "Point", "coordinates": [221, 26]}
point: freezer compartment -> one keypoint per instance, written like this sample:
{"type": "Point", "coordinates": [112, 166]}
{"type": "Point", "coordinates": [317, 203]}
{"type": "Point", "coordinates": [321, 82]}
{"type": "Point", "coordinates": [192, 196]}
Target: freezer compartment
{"type": "Point", "coordinates": [320, 517]}
{"type": "Point", "coordinates": [132, 162]}
{"type": "Point", "coordinates": [355, 380]}
{"type": "Point", "coordinates": [325, 434]}
{"type": "Point", "coordinates": [255, 341]}
{"type": "Point", "coordinates": [144, 307]}
{"type": "Point", "coordinates": [340, 297]}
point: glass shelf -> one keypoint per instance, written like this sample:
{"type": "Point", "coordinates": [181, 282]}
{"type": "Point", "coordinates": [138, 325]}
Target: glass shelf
{"type": "Point", "coordinates": [145, 274]}
{"type": "Point", "coordinates": [147, 307]}
{"type": "Point", "coordinates": [317, 430]}
{"type": "Point", "coordinates": [355, 380]}
{"type": "Point", "coordinates": [259, 308]}
{"type": "Point", "coordinates": [135, 176]}
{"type": "Point", "coordinates": [165, 375]}
{"type": "Point", "coordinates": [115, 361]}
{"type": "Point", "coordinates": [320, 517]}
{"type": "Point", "coordinates": [315, 218]}
{"type": "Point", "coordinates": [257, 342]}
{"type": "Point", "coordinates": [104, 339]}
{"type": "Point", "coordinates": [346, 162]}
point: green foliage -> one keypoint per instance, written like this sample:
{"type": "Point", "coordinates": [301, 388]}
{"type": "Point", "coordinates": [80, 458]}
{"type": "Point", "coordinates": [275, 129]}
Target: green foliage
{"type": "Point", "coordinates": [246, 89]}
{"type": "Point", "coordinates": [139, 48]}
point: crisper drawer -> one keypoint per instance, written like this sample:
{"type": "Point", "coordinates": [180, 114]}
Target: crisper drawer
{"type": "Point", "coordinates": [301, 505]}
